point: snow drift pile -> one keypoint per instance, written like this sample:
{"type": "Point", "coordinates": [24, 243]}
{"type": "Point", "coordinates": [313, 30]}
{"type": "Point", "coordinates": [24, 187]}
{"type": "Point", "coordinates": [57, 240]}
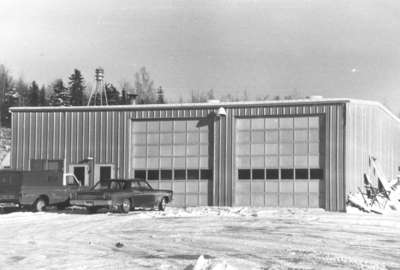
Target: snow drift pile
{"type": "Point", "coordinates": [379, 195]}
{"type": "Point", "coordinates": [5, 145]}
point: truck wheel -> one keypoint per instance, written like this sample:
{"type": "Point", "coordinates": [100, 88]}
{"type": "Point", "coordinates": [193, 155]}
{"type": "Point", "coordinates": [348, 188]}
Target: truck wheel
{"type": "Point", "coordinates": [39, 205]}
{"type": "Point", "coordinates": [92, 210]}
{"type": "Point", "coordinates": [126, 206]}
{"type": "Point", "coordinates": [162, 205]}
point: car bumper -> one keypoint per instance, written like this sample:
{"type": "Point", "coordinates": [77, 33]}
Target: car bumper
{"type": "Point", "coordinates": [9, 205]}
{"type": "Point", "coordinates": [92, 203]}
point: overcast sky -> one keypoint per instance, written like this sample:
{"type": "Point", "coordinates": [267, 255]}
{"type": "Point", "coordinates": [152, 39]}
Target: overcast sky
{"type": "Point", "coordinates": [330, 48]}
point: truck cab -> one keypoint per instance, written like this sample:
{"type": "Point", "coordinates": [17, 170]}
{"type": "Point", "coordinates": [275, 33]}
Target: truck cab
{"type": "Point", "coordinates": [38, 189]}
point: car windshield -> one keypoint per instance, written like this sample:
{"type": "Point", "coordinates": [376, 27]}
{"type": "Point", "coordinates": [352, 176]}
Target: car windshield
{"type": "Point", "coordinates": [101, 185]}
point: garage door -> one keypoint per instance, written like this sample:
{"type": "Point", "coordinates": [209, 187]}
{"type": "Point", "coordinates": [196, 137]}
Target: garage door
{"type": "Point", "coordinates": [278, 162]}
{"type": "Point", "coordinates": [173, 155]}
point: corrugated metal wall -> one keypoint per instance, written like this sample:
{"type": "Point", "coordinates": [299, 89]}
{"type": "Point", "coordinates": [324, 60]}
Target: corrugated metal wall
{"type": "Point", "coordinates": [370, 131]}
{"type": "Point", "coordinates": [103, 133]}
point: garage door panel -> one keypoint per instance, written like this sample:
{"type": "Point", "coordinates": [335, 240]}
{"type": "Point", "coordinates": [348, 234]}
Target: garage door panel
{"type": "Point", "coordinates": [243, 199]}
{"type": "Point", "coordinates": [286, 186]}
{"type": "Point", "coordinates": [301, 186]}
{"type": "Point", "coordinates": [281, 161]}
{"type": "Point", "coordinates": [257, 186]}
{"type": "Point", "coordinates": [176, 159]}
{"type": "Point", "coordinates": [166, 185]}
{"type": "Point", "coordinates": [192, 186]}
{"type": "Point", "coordinates": [286, 199]}
{"type": "Point", "coordinates": [179, 187]}
{"type": "Point", "coordinates": [314, 199]}
{"type": "Point", "coordinates": [301, 199]}
{"type": "Point", "coordinates": [271, 199]}
{"type": "Point", "coordinates": [204, 186]}
{"type": "Point", "coordinates": [203, 199]}
{"type": "Point", "coordinates": [272, 186]}
{"type": "Point", "coordinates": [154, 184]}
{"type": "Point", "coordinates": [314, 185]}
{"type": "Point", "coordinates": [257, 199]}
{"type": "Point", "coordinates": [178, 199]}
{"type": "Point", "coordinates": [192, 199]}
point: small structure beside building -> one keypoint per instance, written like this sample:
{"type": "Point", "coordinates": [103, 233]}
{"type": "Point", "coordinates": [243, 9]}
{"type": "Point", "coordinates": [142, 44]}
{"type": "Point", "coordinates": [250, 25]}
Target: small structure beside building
{"type": "Point", "coordinates": [291, 153]}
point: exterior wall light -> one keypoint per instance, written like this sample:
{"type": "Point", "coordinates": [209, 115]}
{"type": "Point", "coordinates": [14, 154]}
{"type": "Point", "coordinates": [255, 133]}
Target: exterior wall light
{"type": "Point", "coordinates": [221, 112]}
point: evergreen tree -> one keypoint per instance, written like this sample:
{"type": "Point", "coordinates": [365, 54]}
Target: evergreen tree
{"type": "Point", "coordinates": [77, 88]}
{"type": "Point", "coordinates": [42, 96]}
{"type": "Point", "coordinates": [160, 94]}
{"type": "Point", "coordinates": [22, 89]}
{"type": "Point", "coordinates": [6, 84]}
{"type": "Point", "coordinates": [61, 95]}
{"type": "Point", "coordinates": [124, 98]}
{"type": "Point", "coordinates": [33, 94]}
{"type": "Point", "coordinates": [112, 94]}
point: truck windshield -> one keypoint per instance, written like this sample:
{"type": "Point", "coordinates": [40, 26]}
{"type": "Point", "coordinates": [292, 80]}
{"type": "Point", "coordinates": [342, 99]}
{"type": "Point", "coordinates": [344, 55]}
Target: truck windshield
{"type": "Point", "coordinates": [101, 185]}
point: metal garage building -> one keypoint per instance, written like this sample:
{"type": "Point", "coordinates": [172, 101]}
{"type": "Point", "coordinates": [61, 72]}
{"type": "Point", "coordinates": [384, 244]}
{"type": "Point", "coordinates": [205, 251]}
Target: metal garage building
{"type": "Point", "coordinates": [300, 153]}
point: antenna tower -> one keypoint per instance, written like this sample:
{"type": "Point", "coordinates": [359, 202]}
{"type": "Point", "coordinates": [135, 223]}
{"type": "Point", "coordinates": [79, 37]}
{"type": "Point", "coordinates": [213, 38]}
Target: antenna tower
{"type": "Point", "coordinates": [99, 92]}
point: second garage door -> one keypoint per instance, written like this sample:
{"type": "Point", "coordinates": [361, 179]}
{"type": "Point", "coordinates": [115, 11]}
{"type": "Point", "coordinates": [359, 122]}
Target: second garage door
{"type": "Point", "coordinates": [279, 162]}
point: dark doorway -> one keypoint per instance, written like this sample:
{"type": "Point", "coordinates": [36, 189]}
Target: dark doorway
{"type": "Point", "coordinates": [105, 172]}
{"type": "Point", "coordinates": [80, 174]}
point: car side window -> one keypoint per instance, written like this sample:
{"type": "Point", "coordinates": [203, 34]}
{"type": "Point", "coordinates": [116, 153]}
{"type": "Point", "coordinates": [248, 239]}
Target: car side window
{"type": "Point", "coordinates": [114, 186]}
{"type": "Point", "coordinates": [143, 185]}
{"type": "Point", "coordinates": [135, 185]}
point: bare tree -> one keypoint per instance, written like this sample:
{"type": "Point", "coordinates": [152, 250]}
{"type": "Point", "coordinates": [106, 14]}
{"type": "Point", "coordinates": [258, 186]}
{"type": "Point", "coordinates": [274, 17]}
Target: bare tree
{"type": "Point", "coordinates": [144, 87]}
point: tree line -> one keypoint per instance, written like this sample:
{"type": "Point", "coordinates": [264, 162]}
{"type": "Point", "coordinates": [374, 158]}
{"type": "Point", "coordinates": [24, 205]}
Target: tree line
{"type": "Point", "coordinates": [74, 92]}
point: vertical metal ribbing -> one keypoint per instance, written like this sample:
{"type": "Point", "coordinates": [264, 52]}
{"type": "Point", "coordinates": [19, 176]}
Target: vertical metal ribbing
{"type": "Point", "coordinates": [251, 164]}
{"type": "Point", "coordinates": [113, 142]}
{"type": "Point", "coordinates": [54, 136]}
{"type": "Point", "coordinates": [330, 159]}
{"type": "Point", "coordinates": [219, 162]}
{"type": "Point", "coordinates": [308, 160]}
{"type": "Point", "coordinates": [106, 139]}
{"type": "Point", "coordinates": [128, 134]}
{"type": "Point", "coordinates": [338, 151]}
{"type": "Point", "coordinates": [279, 162]}
{"type": "Point", "coordinates": [23, 141]}
{"type": "Point", "coordinates": [215, 165]}
{"type": "Point", "coordinates": [119, 174]}
{"type": "Point", "coordinates": [101, 142]}
{"type": "Point", "coordinates": [126, 142]}
{"type": "Point", "coordinates": [31, 138]}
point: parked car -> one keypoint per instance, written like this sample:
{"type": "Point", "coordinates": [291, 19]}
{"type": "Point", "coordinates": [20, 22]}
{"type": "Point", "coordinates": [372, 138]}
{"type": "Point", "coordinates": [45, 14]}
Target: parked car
{"type": "Point", "coordinates": [122, 195]}
{"type": "Point", "coordinates": [36, 189]}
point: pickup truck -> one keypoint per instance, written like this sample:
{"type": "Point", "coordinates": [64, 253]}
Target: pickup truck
{"type": "Point", "coordinates": [36, 189]}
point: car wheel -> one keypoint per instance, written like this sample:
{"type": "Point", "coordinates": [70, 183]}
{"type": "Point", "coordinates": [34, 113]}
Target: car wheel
{"type": "Point", "coordinates": [39, 205]}
{"type": "Point", "coordinates": [126, 206]}
{"type": "Point", "coordinates": [162, 205]}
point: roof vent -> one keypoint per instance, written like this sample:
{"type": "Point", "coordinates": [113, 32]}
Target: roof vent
{"type": "Point", "coordinates": [213, 101]}
{"type": "Point", "coordinates": [315, 97]}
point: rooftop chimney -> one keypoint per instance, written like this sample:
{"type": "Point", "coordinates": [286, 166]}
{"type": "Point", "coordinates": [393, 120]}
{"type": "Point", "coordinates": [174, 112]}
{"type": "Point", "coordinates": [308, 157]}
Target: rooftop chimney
{"type": "Point", "coordinates": [132, 98]}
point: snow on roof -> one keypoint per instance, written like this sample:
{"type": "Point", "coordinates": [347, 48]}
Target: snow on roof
{"type": "Point", "coordinates": [214, 104]}
{"type": "Point", "coordinates": [191, 105]}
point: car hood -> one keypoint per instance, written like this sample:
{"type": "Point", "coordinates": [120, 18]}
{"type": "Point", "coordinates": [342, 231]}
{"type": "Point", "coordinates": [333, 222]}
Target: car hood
{"type": "Point", "coordinates": [163, 191]}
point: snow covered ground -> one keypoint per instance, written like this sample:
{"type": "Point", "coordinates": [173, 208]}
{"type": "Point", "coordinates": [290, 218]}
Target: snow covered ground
{"type": "Point", "coordinates": [200, 238]}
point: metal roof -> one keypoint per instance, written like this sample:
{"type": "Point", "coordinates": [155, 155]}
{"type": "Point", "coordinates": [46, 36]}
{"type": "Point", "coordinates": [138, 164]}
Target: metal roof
{"type": "Point", "coordinates": [211, 105]}
{"type": "Point", "coordinates": [186, 105]}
